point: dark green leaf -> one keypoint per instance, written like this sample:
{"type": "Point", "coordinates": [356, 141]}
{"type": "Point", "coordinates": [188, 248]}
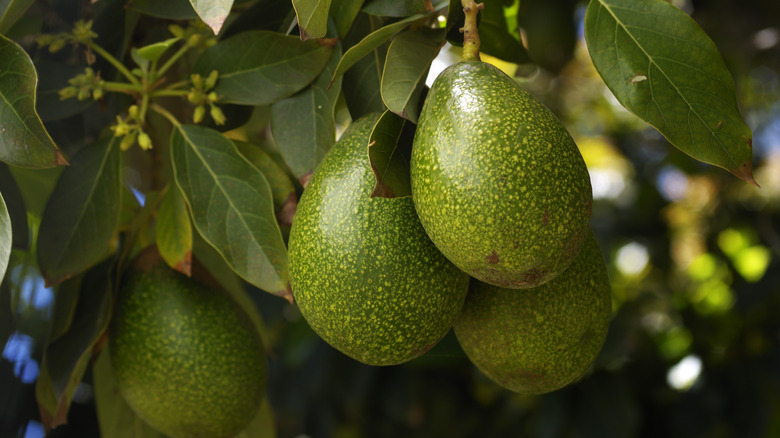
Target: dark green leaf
{"type": "Point", "coordinates": [212, 12]}
{"type": "Point", "coordinates": [10, 11]}
{"type": "Point", "coordinates": [389, 151]}
{"type": "Point", "coordinates": [662, 66]}
{"type": "Point", "coordinates": [312, 17]}
{"type": "Point", "coordinates": [16, 208]}
{"type": "Point", "coordinates": [262, 15]}
{"type": "Point", "coordinates": [261, 67]}
{"type": "Point", "coordinates": [550, 31]}
{"type": "Point", "coordinates": [174, 231]}
{"type": "Point", "coordinates": [406, 67]}
{"type": "Point", "coordinates": [344, 14]}
{"type": "Point", "coordinates": [231, 206]}
{"type": "Point", "coordinates": [82, 213]}
{"type": "Point", "coordinates": [371, 42]}
{"type": "Point", "coordinates": [455, 21]}
{"type": "Point", "coordinates": [115, 417]}
{"type": "Point", "coordinates": [54, 77]}
{"type": "Point", "coordinates": [362, 82]}
{"type": "Point", "coordinates": [36, 186]}
{"type": "Point", "coordinates": [66, 358]}
{"type": "Point", "coordinates": [66, 302]}
{"type": "Point", "coordinates": [281, 186]}
{"type": "Point", "coordinates": [401, 8]}
{"type": "Point", "coordinates": [497, 39]}
{"type": "Point", "coordinates": [304, 125]}
{"type": "Point", "coordinates": [6, 237]}
{"type": "Point", "coordinates": [24, 141]}
{"type": "Point", "coordinates": [170, 9]}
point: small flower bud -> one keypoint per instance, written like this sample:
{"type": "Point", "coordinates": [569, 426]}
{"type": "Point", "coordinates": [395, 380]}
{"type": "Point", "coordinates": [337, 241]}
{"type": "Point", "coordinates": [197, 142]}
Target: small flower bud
{"type": "Point", "coordinates": [144, 141]}
{"type": "Point", "coordinates": [200, 111]}
{"type": "Point", "coordinates": [217, 115]}
{"type": "Point", "coordinates": [127, 141]}
{"type": "Point", "coordinates": [67, 92]}
{"type": "Point", "coordinates": [211, 81]}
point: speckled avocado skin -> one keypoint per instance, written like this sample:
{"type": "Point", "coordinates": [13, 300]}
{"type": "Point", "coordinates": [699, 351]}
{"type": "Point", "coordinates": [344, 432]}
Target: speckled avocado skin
{"type": "Point", "coordinates": [541, 339]}
{"type": "Point", "coordinates": [497, 181]}
{"type": "Point", "coordinates": [363, 272]}
{"type": "Point", "coordinates": [187, 360]}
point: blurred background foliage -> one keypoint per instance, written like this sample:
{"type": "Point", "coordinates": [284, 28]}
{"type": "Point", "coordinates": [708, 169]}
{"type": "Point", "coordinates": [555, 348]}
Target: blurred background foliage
{"type": "Point", "coordinates": [693, 255]}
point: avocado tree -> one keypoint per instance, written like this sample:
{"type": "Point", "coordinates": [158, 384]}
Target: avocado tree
{"type": "Point", "coordinates": [196, 127]}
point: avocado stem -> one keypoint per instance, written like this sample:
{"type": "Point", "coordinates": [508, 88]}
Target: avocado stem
{"type": "Point", "coordinates": [470, 35]}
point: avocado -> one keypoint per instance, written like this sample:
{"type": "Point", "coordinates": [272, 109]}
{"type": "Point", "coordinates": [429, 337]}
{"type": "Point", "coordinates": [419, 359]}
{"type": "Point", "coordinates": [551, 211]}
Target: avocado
{"type": "Point", "coordinates": [186, 358]}
{"type": "Point", "coordinates": [541, 339]}
{"type": "Point", "coordinates": [498, 183]}
{"type": "Point", "coordinates": [362, 270]}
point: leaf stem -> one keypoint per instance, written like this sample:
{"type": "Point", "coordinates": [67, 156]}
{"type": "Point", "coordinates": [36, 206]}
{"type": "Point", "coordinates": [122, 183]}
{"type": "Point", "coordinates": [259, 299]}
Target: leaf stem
{"type": "Point", "coordinates": [164, 112]}
{"type": "Point", "coordinates": [121, 87]}
{"type": "Point", "coordinates": [172, 60]}
{"type": "Point", "coordinates": [115, 62]}
{"type": "Point", "coordinates": [166, 92]}
{"type": "Point", "coordinates": [471, 41]}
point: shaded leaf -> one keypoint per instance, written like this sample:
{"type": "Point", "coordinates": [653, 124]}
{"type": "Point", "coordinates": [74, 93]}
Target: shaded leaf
{"type": "Point", "coordinates": [550, 31]}
{"type": "Point", "coordinates": [406, 67]}
{"type": "Point", "coordinates": [16, 208]}
{"type": "Point", "coordinates": [497, 39]}
{"type": "Point", "coordinates": [261, 15]}
{"type": "Point", "coordinates": [312, 17]}
{"type": "Point", "coordinates": [371, 42]}
{"type": "Point", "coordinates": [6, 237]}
{"type": "Point", "coordinates": [261, 67]}
{"type": "Point", "coordinates": [212, 12]}
{"type": "Point", "coordinates": [52, 78]}
{"type": "Point", "coordinates": [66, 358]}
{"type": "Point", "coordinates": [662, 66]}
{"type": "Point", "coordinates": [362, 82]}
{"type": "Point", "coordinates": [231, 206]}
{"type": "Point", "coordinates": [389, 151]}
{"type": "Point", "coordinates": [11, 11]}
{"type": "Point", "coordinates": [402, 8]}
{"type": "Point", "coordinates": [281, 185]}
{"type": "Point", "coordinates": [344, 14]}
{"type": "Point", "coordinates": [171, 9]}
{"type": "Point", "coordinates": [115, 417]}
{"type": "Point", "coordinates": [304, 125]}
{"type": "Point", "coordinates": [24, 141]}
{"type": "Point", "coordinates": [174, 231]}
{"type": "Point", "coordinates": [82, 213]}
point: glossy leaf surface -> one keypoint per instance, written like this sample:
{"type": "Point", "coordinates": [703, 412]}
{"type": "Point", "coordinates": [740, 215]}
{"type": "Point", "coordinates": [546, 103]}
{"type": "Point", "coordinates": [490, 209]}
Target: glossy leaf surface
{"type": "Point", "coordinates": [389, 151]}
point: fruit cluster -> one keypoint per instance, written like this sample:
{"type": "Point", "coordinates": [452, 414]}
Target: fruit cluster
{"type": "Point", "coordinates": [494, 241]}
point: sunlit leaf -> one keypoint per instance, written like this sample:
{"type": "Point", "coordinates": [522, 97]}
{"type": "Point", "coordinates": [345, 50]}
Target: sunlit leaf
{"type": "Point", "coordinates": [16, 208]}
{"type": "Point", "coordinates": [304, 125]}
{"type": "Point", "coordinates": [402, 8]}
{"type": "Point", "coordinates": [406, 67]}
{"type": "Point", "coordinates": [212, 12]}
{"type": "Point", "coordinates": [371, 42]}
{"type": "Point", "coordinates": [312, 17]}
{"type": "Point", "coordinates": [231, 206]}
{"type": "Point", "coordinates": [171, 9]}
{"type": "Point", "coordinates": [6, 237]}
{"type": "Point", "coordinates": [24, 141]}
{"type": "Point", "coordinates": [10, 12]}
{"type": "Point", "coordinates": [662, 66]}
{"type": "Point", "coordinates": [261, 67]}
{"type": "Point", "coordinates": [174, 231]}
{"type": "Point", "coordinates": [389, 151]}
{"type": "Point", "coordinates": [67, 357]}
{"type": "Point", "coordinates": [154, 51]}
{"type": "Point", "coordinates": [82, 213]}
{"type": "Point", "coordinates": [115, 417]}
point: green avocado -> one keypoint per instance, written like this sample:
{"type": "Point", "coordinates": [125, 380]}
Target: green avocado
{"type": "Point", "coordinates": [364, 274]}
{"type": "Point", "coordinates": [187, 359]}
{"type": "Point", "coordinates": [538, 340]}
{"type": "Point", "coordinates": [497, 181]}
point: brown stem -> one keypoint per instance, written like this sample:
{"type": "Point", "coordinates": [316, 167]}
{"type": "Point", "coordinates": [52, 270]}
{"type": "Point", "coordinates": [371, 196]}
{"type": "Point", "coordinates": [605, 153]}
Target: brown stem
{"type": "Point", "coordinates": [470, 35]}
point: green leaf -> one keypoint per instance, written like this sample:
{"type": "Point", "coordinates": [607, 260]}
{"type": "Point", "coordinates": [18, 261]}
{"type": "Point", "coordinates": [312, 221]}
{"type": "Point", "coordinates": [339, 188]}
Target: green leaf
{"type": "Point", "coordinates": [312, 17]}
{"type": "Point", "coordinates": [281, 186]}
{"type": "Point", "coordinates": [6, 236]}
{"type": "Point", "coordinates": [304, 125]}
{"type": "Point", "coordinates": [362, 82]}
{"type": "Point", "coordinates": [212, 12]}
{"type": "Point", "coordinates": [401, 8]}
{"type": "Point", "coordinates": [16, 208]}
{"type": "Point", "coordinates": [261, 15]}
{"type": "Point", "coordinates": [24, 141]}
{"type": "Point", "coordinates": [174, 231]}
{"type": "Point", "coordinates": [406, 67]}
{"type": "Point", "coordinates": [496, 38]}
{"type": "Point", "coordinates": [344, 14]}
{"type": "Point", "coordinates": [66, 358]}
{"type": "Point", "coordinates": [115, 417]}
{"type": "Point", "coordinates": [11, 11]}
{"type": "Point", "coordinates": [550, 31]}
{"type": "Point", "coordinates": [231, 206]}
{"type": "Point", "coordinates": [371, 42]}
{"type": "Point", "coordinates": [662, 67]}
{"type": "Point", "coordinates": [170, 9]}
{"type": "Point", "coordinates": [389, 151]}
{"type": "Point", "coordinates": [53, 77]}
{"type": "Point", "coordinates": [82, 213]}
{"type": "Point", "coordinates": [154, 51]}
{"type": "Point", "coordinates": [261, 67]}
